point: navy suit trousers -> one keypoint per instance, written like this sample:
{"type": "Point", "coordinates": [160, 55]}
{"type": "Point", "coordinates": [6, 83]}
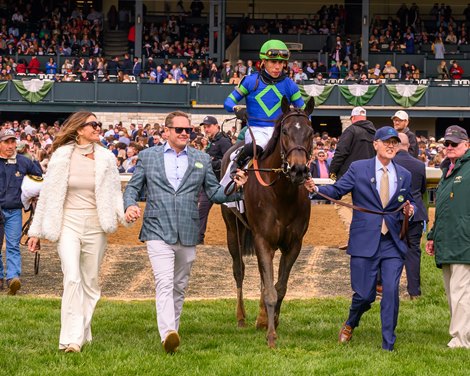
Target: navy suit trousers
{"type": "Point", "coordinates": [389, 261]}
{"type": "Point", "coordinates": [413, 258]}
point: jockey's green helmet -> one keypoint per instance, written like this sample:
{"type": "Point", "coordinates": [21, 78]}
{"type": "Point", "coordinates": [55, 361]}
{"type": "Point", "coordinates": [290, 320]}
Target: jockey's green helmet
{"type": "Point", "coordinates": [274, 49]}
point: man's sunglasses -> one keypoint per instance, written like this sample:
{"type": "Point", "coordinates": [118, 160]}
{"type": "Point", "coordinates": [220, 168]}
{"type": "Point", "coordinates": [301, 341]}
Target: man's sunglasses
{"type": "Point", "coordinates": [450, 143]}
{"type": "Point", "coordinates": [180, 130]}
{"type": "Point", "coordinates": [278, 53]}
{"type": "Point", "coordinates": [94, 124]}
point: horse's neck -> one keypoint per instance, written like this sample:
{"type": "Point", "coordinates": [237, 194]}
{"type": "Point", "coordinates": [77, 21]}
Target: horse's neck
{"type": "Point", "coordinates": [283, 187]}
{"type": "Point", "coordinates": [274, 159]}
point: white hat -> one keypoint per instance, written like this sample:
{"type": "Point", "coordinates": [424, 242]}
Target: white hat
{"type": "Point", "coordinates": [358, 111]}
{"type": "Point", "coordinates": [402, 115]}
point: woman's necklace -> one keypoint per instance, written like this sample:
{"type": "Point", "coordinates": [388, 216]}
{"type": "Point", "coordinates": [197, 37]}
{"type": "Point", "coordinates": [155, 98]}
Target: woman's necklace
{"type": "Point", "coordinates": [85, 150]}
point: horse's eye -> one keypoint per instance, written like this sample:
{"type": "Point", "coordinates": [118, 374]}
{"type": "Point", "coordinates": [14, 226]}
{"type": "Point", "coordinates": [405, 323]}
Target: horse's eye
{"type": "Point", "coordinates": [284, 131]}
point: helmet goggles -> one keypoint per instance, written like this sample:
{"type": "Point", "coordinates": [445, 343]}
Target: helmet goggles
{"type": "Point", "coordinates": [277, 54]}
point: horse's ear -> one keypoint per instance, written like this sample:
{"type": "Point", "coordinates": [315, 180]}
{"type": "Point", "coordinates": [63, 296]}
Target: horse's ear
{"type": "Point", "coordinates": [285, 105]}
{"type": "Point", "coordinates": [310, 106]}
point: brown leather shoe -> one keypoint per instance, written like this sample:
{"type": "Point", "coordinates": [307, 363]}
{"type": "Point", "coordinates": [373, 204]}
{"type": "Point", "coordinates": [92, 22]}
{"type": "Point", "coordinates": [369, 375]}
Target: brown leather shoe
{"type": "Point", "coordinates": [345, 333]}
{"type": "Point", "coordinates": [379, 292]}
{"type": "Point", "coordinates": [171, 342]}
{"type": "Point", "coordinates": [14, 285]}
{"type": "Point", "coordinates": [1, 284]}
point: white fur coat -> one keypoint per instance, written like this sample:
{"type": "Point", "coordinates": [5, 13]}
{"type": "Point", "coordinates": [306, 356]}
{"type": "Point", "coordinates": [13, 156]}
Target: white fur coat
{"type": "Point", "coordinates": [47, 222]}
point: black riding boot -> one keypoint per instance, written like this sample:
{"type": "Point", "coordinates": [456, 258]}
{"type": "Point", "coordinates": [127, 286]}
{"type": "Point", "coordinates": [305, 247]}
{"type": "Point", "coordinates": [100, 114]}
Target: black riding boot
{"type": "Point", "coordinates": [242, 158]}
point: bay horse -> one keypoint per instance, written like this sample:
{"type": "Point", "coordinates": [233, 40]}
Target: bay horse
{"type": "Point", "coordinates": [277, 216]}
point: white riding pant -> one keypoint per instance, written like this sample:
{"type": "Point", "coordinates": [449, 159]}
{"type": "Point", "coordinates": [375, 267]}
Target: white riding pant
{"type": "Point", "coordinates": [171, 265]}
{"type": "Point", "coordinates": [81, 249]}
{"type": "Point", "coordinates": [262, 135]}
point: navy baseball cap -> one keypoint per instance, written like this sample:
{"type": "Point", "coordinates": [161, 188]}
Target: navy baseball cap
{"type": "Point", "coordinates": [386, 133]}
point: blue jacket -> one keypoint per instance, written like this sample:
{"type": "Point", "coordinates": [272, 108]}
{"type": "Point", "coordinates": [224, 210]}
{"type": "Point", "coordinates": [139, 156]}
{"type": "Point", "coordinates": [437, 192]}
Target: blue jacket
{"type": "Point", "coordinates": [364, 236]}
{"type": "Point", "coordinates": [11, 178]}
{"type": "Point", "coordinates": [263, 101]}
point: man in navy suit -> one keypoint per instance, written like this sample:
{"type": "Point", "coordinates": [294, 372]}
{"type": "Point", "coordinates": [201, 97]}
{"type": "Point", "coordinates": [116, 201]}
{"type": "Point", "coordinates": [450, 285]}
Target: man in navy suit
{"type": "Point", "coordinates": [415, 230]}
{"type": "Point", "coordinates": [374, 245]}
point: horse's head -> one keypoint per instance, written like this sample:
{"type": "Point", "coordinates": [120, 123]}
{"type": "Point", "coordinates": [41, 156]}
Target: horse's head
{"type": "Point", "coordinates": [296, 141]}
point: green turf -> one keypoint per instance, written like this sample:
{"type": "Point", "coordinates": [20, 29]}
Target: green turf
{"type": "Point", "coordinates": [126, 340]}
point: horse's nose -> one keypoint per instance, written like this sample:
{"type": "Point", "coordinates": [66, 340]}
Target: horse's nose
{"type": "Point", "coordinates": [299, 173]}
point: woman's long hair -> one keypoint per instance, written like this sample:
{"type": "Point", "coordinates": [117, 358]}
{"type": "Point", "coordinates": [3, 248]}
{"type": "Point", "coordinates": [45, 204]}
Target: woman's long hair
{"type": "Point", "coordinates": [68, 132]}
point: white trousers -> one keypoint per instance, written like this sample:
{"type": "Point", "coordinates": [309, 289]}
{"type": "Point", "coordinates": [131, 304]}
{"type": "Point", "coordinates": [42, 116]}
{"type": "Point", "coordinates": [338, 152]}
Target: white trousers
{"type": "Point", "coordinates": [262, 135]}
{"type": "Point", "coordinates": [457, 286]}
{"type": "Point", "coordinates": [171, 265]}
{"type": "Point", "coordinates": [81, 249]}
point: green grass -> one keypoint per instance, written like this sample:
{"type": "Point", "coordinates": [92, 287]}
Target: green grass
{"type": "Point", "coordinates": [126, 340]}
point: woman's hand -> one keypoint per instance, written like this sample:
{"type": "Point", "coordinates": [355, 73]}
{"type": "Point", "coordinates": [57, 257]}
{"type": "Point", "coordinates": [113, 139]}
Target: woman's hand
{"type": "Point", "coordinates": [132, 213]}
{"type": "Point", "coordinates": [33, 244]}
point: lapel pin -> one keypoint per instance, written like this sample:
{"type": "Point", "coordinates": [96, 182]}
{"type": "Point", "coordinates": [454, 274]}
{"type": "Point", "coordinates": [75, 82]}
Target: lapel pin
{"type": "Point", "coordinates": [372, 180]}
{"type": "Point", "coordinates": [401, 198]}
{"type": "Point", "coordinates": [198, 165]}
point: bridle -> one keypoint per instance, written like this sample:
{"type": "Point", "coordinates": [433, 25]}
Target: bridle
{"type": "Point", "coordinates": [285, 154]}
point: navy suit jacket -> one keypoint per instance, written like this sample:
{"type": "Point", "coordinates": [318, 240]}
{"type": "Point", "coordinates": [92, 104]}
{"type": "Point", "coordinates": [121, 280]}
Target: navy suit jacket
{"type": "Point", "coordinates": [364, 236]}
{"type": "Point", "coordinates": [418, 182]}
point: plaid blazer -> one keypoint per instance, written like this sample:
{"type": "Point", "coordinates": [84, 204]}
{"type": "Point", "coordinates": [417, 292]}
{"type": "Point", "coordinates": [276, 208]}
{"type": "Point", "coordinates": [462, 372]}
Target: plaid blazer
{"type": "Point", "coordinates": [171, 215]}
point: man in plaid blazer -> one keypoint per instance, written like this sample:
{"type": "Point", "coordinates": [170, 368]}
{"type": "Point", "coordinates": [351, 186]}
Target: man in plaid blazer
{"type": "Point", "coordinates": [173, 174]}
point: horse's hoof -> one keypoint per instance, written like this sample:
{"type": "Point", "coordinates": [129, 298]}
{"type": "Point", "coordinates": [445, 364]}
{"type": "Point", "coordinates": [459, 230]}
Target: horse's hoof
{"type": "Point", "coordinates": [241, 324]}
{"type": "Point", "coordinates": [272, 341]}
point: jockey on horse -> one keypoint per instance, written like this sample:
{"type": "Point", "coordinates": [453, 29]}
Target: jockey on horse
{"type": "Point", "coordinates": [263, 92]}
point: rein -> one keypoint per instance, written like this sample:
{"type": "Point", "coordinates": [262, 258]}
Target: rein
{"type": "Point", "coordinates": [405, 205]}
{"type": "Point", "coordinates": [24, 235]}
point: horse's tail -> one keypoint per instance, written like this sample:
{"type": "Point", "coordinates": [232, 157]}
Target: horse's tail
{"type": "Point", "coordinates": [248, 248]}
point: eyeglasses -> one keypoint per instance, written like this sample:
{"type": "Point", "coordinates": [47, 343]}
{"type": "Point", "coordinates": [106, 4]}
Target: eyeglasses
{"type": "Point", "coordinates": [94, 124]}
{"type": "Point", "coordinates": [284, 54]}
{"type": "Point", "coordinates": [390, 142]}
{"type": "Point", "coordinates": [180, 130]}
{"type": "Point", "coordinates": [450, 143]}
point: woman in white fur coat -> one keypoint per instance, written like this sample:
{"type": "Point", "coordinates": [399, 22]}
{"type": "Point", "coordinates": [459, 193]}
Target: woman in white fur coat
{"type": "Point", "coordinates": [80, 203]}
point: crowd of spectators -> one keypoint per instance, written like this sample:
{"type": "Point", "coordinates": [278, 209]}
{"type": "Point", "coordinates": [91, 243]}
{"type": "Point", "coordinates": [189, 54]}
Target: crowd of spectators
{"type": "Point", "coordinates": [31, 28]}
{"type": "Point", "coordinates": [127, 140]}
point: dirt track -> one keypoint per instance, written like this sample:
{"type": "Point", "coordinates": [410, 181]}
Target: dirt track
{"type": "Point", "coordinates": [321, 269]}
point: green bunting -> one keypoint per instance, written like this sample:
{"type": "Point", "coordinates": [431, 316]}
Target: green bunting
{"type": "Point", "coordinates": [358, 95]}
{"type": "Point", "coordinates": [406, 95]}
{"type": "Point", "coordinates": [34, 90]}
{"type": "Point", "coordinates": [320, 93]}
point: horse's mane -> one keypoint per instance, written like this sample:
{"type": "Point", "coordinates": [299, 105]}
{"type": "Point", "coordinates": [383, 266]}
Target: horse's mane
{"type": "Point", "coordinates": [271, 146]}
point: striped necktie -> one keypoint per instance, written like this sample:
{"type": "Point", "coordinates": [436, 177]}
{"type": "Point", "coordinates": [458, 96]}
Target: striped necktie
{"type": "Point", "coordinates": [384, 195]}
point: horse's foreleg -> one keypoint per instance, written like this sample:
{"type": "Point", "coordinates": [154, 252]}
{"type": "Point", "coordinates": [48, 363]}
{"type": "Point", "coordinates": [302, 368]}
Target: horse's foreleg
{"type": "Point", "coordinates": [262, 319]}
{"type": "Point", "coordinates": [265, 265]}
{"type": "Point", "coordinates": [288, 258]}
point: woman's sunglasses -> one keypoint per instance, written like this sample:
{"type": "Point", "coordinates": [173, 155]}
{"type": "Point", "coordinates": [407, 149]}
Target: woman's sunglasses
{"type": "Point", "coordinates": [450, 143]}
{"type": "Point", "coordinates": [278, 53]}
{"type": "Point", "coordinates": [94, 124]}
{"type": "Point", "coordinates": [180, 130]}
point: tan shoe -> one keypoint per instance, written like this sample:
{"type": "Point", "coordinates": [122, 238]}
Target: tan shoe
{"type": "Point", "coordinates": [345, 333]}
{"type": "Point", "coordinates": [171, 342]}
{"type": "Point", "coordinates": [14, 285]}
{"type": "Point", "coordinates": [72, 348]}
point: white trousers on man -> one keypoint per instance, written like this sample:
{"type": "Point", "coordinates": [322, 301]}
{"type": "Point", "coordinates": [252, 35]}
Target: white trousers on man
{"type": "Point", "coordinates": [171, 265]}
{"type": "Point", "coordinates": [81, 249]}
{"type": "Point", "coordinates": [457, 286]}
